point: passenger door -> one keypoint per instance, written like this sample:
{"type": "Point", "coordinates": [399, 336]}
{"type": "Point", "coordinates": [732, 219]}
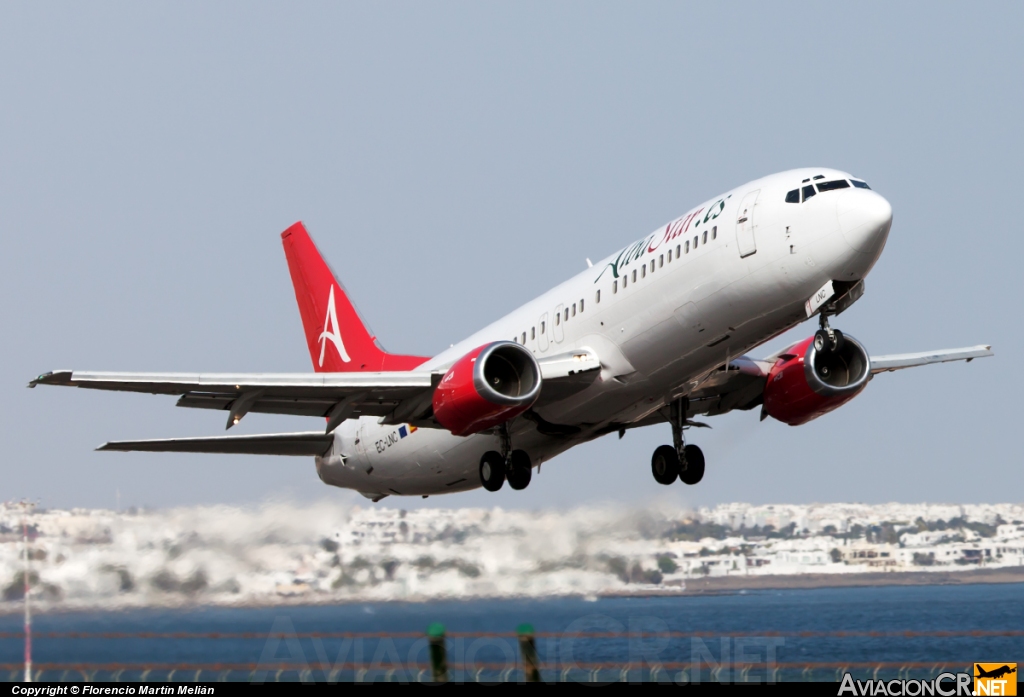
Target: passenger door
{"type": "Point", "coordinates": [745, 224]}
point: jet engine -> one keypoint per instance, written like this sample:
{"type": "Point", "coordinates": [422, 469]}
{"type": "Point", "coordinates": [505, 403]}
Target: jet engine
{"type": "Point", "coordinates": [487, 387]}
{"type": "Point", "coordinates": [806, 383]}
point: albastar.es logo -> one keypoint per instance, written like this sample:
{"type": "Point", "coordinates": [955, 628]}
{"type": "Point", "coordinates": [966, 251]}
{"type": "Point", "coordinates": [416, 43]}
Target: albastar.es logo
{"type": "Point", "coordinates": [332, 332]}
{"type": "Point", "coordinates": [649, 244]}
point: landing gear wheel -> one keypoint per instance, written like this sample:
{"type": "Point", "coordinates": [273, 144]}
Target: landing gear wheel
{"type": "Point", "coordinates": [839, 340]}
{"type": "Point", "coordinates": [821, 340]}
{"type": "Point", "coordinates": [665, 464]}
{"type": "Point", "coordinates": [694, 470]}
{"type": "Point", "coordinates": [520, 470]}
{"type": "Point", "coordinates": [492, 470]}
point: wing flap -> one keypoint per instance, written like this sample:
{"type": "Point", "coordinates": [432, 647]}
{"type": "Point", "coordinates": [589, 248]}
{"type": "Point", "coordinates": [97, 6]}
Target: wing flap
{"type": "Point", "coordinates": [309, 443]}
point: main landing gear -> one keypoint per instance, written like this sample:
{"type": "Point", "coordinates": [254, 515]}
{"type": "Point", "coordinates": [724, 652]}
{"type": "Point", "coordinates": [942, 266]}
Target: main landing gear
{"type": "Point", "coordinates": [513, 465]}
{"type": "Point", "coordinates": [678, 461]}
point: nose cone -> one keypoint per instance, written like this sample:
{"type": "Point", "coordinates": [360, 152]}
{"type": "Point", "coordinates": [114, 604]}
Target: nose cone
{"type": "Point", "coordinates": [864, 218]}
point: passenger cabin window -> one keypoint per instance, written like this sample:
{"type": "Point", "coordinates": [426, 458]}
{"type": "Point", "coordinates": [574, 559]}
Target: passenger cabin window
{"type": "Point", "coordinates": [859, 184]}
{"type": "Point", "coordinates": [523, 342]}
{"type": "Point", "coordinates": [597, 298]}
{"type": "Point", "coordinates": [625, 279]}
{"type": "Point", "coordinates": [567, 314]}
{"type": "Point", "coordinates": [714, 232]}
{"type": "Point", "coordinates": [670, 256]}
{"type": "Point", "coordinates": [705, 237]}
{"type": "Point", "coordinates": [643, 271]}
{"type": "Point", "coordinates": [558, 319]}
{"type": "Point", "coordinates": [678, 248]}
{"type": "Point", "coordinates": [661, 260]}
{"type": "Point", "coordinates": [634, 275]}
{"type": "Point", "coordinates": [573, 309]}
{"type": "Point", "coordinates": [687, 246]}
{"type": "Point", "coordinates": [793, 196]}
{"type": "Point", "coordinates": [615, 287]}
{"type": "Point", "coordinates": [543, 326]}
{"type": "Point", "coordinates": [533, 333]}
{"type": "Point", "coordinates": [652, 265]}
{"type": "Point", "coordinates": [833, 185]}
{"type": "Point", "coordinates": [808, 191]}
{"type": "Point", "coordinates": [695, 242]}
{"type": "Point", "coordinates": [581, 306]}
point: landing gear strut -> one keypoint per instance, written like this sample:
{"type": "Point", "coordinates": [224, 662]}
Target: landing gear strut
{"type": "Point", "coordinates": [678, 461]}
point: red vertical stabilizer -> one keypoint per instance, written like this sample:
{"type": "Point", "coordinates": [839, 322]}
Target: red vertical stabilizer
{"type": "Point", "coordinates": [337, 338]}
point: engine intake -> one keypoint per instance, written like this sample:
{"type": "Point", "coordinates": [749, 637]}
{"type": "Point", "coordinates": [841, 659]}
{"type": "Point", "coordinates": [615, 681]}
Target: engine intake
{"type": "Point", "coordinates": [486, 387]}
{"type": "Point", "coordinates": [834, 373]}
{"type": "Point", "coordinates": [805, 383]}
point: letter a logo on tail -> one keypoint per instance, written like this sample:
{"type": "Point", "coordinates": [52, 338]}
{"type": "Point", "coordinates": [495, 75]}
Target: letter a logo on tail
{"type": "Point", "coordinates": [331, 322]}
{"type": "Point", "coordinates": [320, 321]}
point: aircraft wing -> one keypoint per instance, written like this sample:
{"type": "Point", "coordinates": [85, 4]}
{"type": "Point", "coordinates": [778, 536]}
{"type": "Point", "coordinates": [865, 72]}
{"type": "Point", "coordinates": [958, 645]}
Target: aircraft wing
{"type": "Point", "coordinates": [884, 364]}
{"type": "Point", "coordinates": [335, 396]}
{"type": "Point", "coordinates": [397, 397]}
{"type": "Point", "coordinates": [313, 443]}
{"type": "Point", "coordinates": [740, 383]}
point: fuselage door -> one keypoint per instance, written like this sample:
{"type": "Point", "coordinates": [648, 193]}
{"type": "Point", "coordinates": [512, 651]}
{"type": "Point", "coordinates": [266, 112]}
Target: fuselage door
{"type": "Point", "coordinates": [558, 331]}
{"type": "Point", "coordinates": [745, 224]}
{"type": "Point", "coordinates": [543, 329]}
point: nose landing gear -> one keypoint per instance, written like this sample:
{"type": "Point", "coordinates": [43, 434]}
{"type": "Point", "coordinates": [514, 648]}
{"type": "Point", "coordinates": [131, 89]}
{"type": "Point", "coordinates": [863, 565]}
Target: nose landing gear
{"type": "Point", "coordinates": [678, 461]}
{"type": "Point", "coordinates": [827, 339]}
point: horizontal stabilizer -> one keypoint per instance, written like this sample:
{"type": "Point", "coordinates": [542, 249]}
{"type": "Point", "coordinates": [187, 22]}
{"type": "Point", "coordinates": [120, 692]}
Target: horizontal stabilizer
{"type": "Point", "coordinates": [309, 443]}
{"type": "Point", "coordinates": [881, 364]}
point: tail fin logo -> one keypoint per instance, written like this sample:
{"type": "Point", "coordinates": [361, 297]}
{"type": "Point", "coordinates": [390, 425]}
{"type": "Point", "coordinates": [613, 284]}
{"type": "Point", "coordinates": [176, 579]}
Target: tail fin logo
{"type": "Point", "coordinates": [334, 335]}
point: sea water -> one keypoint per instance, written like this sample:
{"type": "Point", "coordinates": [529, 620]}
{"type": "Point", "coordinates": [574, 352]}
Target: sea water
{"type": "Point", "coordinates": [743, 635]}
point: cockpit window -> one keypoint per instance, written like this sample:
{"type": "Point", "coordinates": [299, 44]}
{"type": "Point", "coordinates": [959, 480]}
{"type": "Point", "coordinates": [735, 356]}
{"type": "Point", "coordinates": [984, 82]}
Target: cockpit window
{"type": "Point", "coordinates": [860, 185]}
{"type": "Point", "coordinates": [808, 191]}
{"type": "Point", "coordinates": [819, 176]}
{"type": "Point", "coordinates": [833, 185]}
{"type": "Point", "coordinates": [793, 196]}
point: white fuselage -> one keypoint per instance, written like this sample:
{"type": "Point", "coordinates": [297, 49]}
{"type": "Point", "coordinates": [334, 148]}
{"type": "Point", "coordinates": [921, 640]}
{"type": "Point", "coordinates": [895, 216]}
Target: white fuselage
{"type": "Point", "coordinates": [720, 280]}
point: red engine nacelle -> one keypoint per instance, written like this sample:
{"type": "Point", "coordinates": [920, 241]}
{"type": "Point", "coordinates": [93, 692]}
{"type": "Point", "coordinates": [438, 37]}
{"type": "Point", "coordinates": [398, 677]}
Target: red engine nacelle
{"type": "Point", "coordinates": [806, 383]}
{"type": "Point", "coordinates": [486, 387]}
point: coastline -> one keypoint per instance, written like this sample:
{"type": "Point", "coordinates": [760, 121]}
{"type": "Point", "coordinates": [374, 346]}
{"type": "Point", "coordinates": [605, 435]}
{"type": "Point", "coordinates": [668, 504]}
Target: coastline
{"type": "Point", "coordinates": [726, 584]}
{"type": "Point", "coordinates": [717, 585]}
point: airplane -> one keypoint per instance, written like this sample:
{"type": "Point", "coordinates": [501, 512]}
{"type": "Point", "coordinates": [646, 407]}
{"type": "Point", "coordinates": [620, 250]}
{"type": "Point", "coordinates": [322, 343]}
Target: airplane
{"type": "Point", "coordinates": [656, 333]}
{"type": "Point", "coordinates": [996, 673]}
